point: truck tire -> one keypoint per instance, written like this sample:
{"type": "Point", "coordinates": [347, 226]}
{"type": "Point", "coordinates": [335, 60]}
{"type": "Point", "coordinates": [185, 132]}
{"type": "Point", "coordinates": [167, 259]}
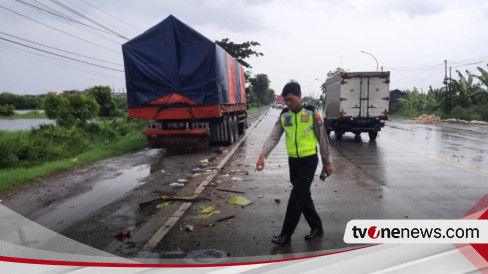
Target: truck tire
{"type": "Point", "coordinates": [372, 135]}
{"type": "Point", "coordinates": [243, 126]}
{"type": "Point", "coordinates": [229, 125]}
{"type": "Point", "coordinates": [235, 127]}
{"type": "Point", "coordinates": [357, 137]}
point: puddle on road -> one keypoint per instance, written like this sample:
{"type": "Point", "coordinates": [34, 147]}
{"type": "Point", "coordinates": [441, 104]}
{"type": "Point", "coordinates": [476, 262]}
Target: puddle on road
{"type": "Point", "coordinates": [102, 193]}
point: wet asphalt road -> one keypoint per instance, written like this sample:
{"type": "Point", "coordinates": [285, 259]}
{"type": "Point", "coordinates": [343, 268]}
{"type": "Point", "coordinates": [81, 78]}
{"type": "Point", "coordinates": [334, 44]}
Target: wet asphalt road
{"type": "Point", "coordinates": [423, 171]}
{"type": "Point", "coordinates": [415, 171]}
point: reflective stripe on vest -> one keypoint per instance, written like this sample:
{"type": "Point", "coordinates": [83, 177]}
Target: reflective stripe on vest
{"type": "Point", "coordinates": [300, 136]}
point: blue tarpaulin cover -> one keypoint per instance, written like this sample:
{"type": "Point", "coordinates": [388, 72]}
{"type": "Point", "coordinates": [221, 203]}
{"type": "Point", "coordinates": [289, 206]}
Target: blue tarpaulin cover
{"type": "Point", "coordinates": [172, 57]}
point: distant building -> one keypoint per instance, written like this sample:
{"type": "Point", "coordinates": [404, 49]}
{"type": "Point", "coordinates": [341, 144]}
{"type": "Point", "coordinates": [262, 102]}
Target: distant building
{"type": "Point", "coordinates": [68, 92]}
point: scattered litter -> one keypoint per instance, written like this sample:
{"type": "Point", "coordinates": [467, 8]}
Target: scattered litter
{"type": "Point", "coordinates": [207, 209]}
{"type": "Point", "coordinates": [212, 184]}
{"type": "Point", "coordinates": [74, 159]}
{"type": "Point", "coordinates": [237, 179]}
{"type": "Point", "coordinates": [167, 199]}
{"type": "Point", "coordinates": [189, 228]}
{"type": "Point", "coordinates": [260, 196]}
{"type": "Point", "coordinates": [236, 171]}
{"type": "Point", "coordinates": [278, 201]}
{"type": "Point", "coordinates": [203, 216]}
{"type": "Point", "coordinates": [71, 205]}
{"type": "Point", "coordinates": [226, 218]}
{"type": "Point", "coordinates": [194, 175]}
{"type": "Point", "coordinates": [162, 171]}
{"type": "Point", "coordinates": [182, 181]}
{"type": "Point", "coordinates": [206, 173]}
{"type": "Point", "coordinates": [124, 234]}
{"type": "Point", "coordinates": [204, 163]}
{"type": "Point", "coordinates": [239, 200]}
{"type": "Point", "coordinates": [177, 185]}
{"type": "Point", "coordinates": [163, 205]}
{"type": "Point", "coordinates": [209, 169]}
{"type": "Point", "coordinates": [228, 190]}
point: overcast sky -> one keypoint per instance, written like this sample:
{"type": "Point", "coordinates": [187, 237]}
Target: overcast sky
{"type": "Point", "coordinates": [301, 40]}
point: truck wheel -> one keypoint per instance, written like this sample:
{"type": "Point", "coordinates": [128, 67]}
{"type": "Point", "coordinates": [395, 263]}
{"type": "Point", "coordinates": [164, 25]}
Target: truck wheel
{"type": "Point", "coordinates": [357, 137]}
{"type": "Point", "coordinates": [243, 126]}
{"type": "Point", "coordinates": [230, 129]}
{"type": "Point", "coordinates": [372, 135]}
{"type": "Point", "coordinates": [235, 127]}
{"type": "Point", "coordinates": [338, 135]}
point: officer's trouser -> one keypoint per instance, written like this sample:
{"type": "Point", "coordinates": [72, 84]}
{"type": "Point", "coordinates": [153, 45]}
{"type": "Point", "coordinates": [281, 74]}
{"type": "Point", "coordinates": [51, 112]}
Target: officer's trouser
{"type": "Point", "coordinates": [302, 171]}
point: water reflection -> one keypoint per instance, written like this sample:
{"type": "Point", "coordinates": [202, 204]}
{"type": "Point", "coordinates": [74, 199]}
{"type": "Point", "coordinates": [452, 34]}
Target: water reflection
{"type": "Point", "coordinates": [23, 124]}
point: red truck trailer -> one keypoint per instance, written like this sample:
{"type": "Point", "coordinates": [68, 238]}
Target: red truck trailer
{"type": "Point", "coordinates": [191, 90]}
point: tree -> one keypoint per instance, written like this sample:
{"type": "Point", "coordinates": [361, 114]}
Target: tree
{"type": "Point", "coordinates": [259, 85]}
{"type": "Point", "coordinates": [240, 51]}
{"type": "Point", "coordinates": [103, 96]}
{"type": "Point", "coordinates": [331, 73]}
{"type": "Point", "coordinates": [71, 110]}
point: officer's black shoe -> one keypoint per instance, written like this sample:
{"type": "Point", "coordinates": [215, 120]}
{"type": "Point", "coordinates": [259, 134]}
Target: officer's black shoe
{"type": "Point", "coordinates": [314, 234]}
{"type": "Point", "coordinates": [281, 239]}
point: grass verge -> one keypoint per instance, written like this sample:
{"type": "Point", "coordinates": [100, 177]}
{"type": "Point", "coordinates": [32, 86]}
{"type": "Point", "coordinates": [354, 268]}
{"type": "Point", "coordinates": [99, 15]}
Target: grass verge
{"type": "Point", "coordinates": [16, 177]}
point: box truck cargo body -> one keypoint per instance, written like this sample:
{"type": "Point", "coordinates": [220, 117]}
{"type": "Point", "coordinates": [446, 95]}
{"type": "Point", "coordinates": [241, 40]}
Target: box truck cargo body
{"type": "Point", "coordinates": [190, 88]}
{"type": "Point", "coordinates": [357, 102]}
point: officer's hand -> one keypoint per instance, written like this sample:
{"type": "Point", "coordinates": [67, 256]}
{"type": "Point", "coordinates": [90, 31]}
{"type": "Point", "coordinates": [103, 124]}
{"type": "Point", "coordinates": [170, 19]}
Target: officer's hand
{"type": "Point", "coordinates": [328, 168]}
{"type": "Point", "coordinates": [260, 163]}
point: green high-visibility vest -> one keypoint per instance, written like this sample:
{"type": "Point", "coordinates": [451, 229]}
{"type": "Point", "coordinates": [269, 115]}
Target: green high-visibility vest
{"type": "Point", "coordinates": [300, 136]}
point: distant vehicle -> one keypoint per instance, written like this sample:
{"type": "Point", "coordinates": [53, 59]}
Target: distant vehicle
{"type": "Point", "coordinates": [357, 102]}
{"type": "Point", "coordinates": [190, 88]}
{"type": "Point", "coordinates": [280, 102]}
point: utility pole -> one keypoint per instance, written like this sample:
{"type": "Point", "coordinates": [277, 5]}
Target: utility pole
{"type": "Point", "coordinates": [445, 83]}
{"type": "Point", "coordinates": [450, 91]}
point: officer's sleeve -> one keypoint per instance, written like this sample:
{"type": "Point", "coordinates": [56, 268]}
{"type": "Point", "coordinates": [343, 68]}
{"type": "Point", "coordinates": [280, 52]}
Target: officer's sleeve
{"type": "Point", "coordinates": [319, 129]}
{"type": "Point", "coordinates": [273, 139]}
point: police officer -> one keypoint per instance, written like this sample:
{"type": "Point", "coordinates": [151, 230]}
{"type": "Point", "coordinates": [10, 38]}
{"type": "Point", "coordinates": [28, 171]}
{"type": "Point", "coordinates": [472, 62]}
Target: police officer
{"type": "Point", "coordinates": [304, 128]}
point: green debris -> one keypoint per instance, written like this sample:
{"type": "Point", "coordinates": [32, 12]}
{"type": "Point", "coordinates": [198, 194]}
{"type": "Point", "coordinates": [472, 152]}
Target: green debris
{"type": "Point", "coordinates": [203, 216]}
{"type": "Point", "coordinates": [239, 200]}
{"type": "Point", "coordinates": [163, 205]}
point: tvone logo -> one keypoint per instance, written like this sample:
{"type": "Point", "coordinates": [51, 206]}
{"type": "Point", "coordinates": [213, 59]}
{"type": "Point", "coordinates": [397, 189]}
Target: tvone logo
{"type": "Point", "coordinates": [373, 232]}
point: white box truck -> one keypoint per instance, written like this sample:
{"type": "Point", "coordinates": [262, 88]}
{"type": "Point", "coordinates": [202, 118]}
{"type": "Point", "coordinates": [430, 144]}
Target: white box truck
{"type": "Point", "coordinates": [357, 102]}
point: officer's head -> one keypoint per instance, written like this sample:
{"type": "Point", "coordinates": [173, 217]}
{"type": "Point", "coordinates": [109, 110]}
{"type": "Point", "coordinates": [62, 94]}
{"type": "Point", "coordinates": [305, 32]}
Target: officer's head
{"type": "Point", "coordinates": [292, 95]}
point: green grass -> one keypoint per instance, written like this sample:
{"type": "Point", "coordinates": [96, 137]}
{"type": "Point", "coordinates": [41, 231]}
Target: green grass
{"type": "Point", "coordinates": [16, 177]}
{"type": "Point", "coordinates": [254, 108]}
{"type": "Point", "coordinates": [29, 115]}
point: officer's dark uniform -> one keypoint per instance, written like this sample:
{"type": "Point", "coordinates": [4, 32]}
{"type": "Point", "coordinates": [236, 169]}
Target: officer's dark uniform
{"type": "Point", "coordinates": [303, 131]}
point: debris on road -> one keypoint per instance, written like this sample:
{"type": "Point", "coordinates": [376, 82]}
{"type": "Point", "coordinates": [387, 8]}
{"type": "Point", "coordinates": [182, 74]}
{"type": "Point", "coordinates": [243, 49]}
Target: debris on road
{"type": "Point", "coordinates": [206, 209]}
{"type": "Point", "coordinates": [163, 205]}
{"type": "Point", "coordinates": [239, 200]}
{"type": "Point", "coordinates": [176, 185]}
{"type": "Point", "coordinates": [228, 190]}
{"type": "Point", "coordinates": [173, 199]}
{"type": "Point", "coordinates": [237, 179]}
{"type": "Point", "coordinates": [124, 234]}
{"type": "Point", "coordinates": [71, 205]}
{"type": "Point", "coordinates": [204, 163]}
{"type": "Point", "coordinates": [203, 216]}
{"type": "Point", "coordinates": [226, 218]}
{"type": "Point", "coordinates": [189, 228]}
{"type": "Point", "coordinates": [182, 181]}
{"type": "Point", "coordinates": [239, 171]}
{"type": "Point", "coordinates": [278, 201]}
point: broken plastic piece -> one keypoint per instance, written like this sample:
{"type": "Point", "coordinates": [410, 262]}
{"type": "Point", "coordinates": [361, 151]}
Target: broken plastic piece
{"type": "Point", "coordinates": [204, 163]}
{"type": "Point", "coordinates": [226, 218]}
{"type": "Point", "coordinates": [203, 216]}
{"type": "Point", "coordinates": [277, 201]}
{"type": "Point", "coordinates": [239, 200]}
{"type": "Point", "coordinates": [163, 205]}
{"type": "Point", "coordinates": [189, 228]}
{"type": "Point", "coordinates": [182, 181]}
{"type": "Point", "coordinates": [207, 210]}
{"type": "Point", "coordinates": [177, 185]}
{"type": "Point", "coordinates": [235, 171]}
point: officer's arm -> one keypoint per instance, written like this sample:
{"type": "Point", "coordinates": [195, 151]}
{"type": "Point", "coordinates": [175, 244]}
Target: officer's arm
{"type": "Point", "coordinates": [273, 139]}
{"type": "Point", "coordinates": [319, 129]}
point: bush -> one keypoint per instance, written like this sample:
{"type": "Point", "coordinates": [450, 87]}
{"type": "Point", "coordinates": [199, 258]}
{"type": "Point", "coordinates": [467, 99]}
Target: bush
{"type": "Point", "coordinates": [7, 110]}
{"type": "Point", "coordinates": [71, 110]}
{"type": "Point", "coordinates": [103, 97]}
{"type": "Point", "coordinates": [468, 114]}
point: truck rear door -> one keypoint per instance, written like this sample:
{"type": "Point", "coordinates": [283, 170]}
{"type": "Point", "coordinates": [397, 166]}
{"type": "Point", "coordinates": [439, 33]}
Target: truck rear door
{"type": "Point", "coordinates": [378, 94]}
{"type": "Point", "coordinates": [350, 97]}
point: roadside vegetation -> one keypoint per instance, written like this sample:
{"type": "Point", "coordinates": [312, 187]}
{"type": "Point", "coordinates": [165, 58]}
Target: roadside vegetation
{"type": "Point", "coordinates": [467, 99]}
{"type": "Point", "coordinates": [88, 128]}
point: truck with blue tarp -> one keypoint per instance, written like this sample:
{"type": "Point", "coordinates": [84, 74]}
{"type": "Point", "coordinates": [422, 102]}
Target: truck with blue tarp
{"type": "Point", "coordinates": [191, 89]}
